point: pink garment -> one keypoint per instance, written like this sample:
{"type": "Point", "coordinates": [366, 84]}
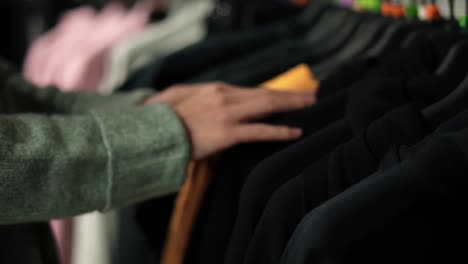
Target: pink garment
{"type": "Point", "coordinates": [114, 25]}
{"type": "Point", "coordinates": [63, 233]}
{"type": "Point", "coordinates": [48, 52]}
{"type": "Point", "coordinates": [72, 55]}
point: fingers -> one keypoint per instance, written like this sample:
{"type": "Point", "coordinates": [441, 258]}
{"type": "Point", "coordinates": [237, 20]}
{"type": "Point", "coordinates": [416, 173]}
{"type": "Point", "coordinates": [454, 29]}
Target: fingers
{"type": "Point", "coordinates": [235, 94]}
{"type": "Point", "coordinates": [171, 96]}
{"type": "Point", "coordinates": [263, 132]}
{"type": "Point", "coordinates": [182, 92]}
{"type": "Point", "coordinates": [272, 102]}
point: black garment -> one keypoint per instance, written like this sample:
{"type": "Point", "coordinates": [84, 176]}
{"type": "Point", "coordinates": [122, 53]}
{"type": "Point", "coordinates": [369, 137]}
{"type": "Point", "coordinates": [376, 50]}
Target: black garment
{"type": "Point", "coordinates": [392, 213]}
{"type": "Point", "coordinates": [409, 214]}
{"type": "Point", "coordinates": [185, 64]}
{"type": "Point", "coordinates": [262, 66]}
{"type": "Point", "coordinates": [231, 53]}
{"type": "Point", "coordinates": [214, 224]}
{"type": "Point", "coordinates": [38, 234]}
{"type": "Point", "coordinates": [219, 208]}
{"type": "Point", "coordinates": [235, 15]}
{"type": "Point", "coordinates": [131, 245]}
{"type": "Point", "coordinates": [290, 52]}
{"type": "Point", "coordinates": [278, 57]}
{"type": "Point", "coordinates": [216, 219]}
{"type": "Point", "coordinates": [16, 20]}
{"type": "Point", "coordinates": [345, 166]}
{"type": "Point", "coordinates": [370, 100]}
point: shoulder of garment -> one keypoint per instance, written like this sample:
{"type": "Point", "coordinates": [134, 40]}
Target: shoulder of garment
{"type": "Point", "coordinates": [437, 171]}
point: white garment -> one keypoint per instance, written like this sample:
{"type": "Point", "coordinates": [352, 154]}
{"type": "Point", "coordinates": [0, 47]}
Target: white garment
{"type": "Point", "coordinates": [94, 238]}
{"type": "Point", "coordinates": [180, 29]}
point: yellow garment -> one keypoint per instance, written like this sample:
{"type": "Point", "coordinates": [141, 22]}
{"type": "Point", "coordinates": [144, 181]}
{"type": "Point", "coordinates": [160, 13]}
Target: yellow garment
{"type": "Point", "coordinates": [297, 79]}
{"type": "Point", "coordinates": [191, 195]}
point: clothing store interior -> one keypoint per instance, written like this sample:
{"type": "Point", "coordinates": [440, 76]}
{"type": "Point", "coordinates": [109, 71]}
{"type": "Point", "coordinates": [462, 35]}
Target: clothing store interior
{"type": "Point", "coordinates": [378, 175]}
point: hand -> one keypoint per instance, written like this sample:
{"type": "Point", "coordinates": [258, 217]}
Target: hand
{"type": "Point", "coordinates": [173, 95]}
{"type": "Point", "coordinates": [218, 116]}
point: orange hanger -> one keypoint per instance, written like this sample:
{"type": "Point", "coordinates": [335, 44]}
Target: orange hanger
{"type": "Point", "coordinates": [432, 12]}
{"type": "Point", "coordinates": [397, 11]}
{"type": "Point", "coordinates": [386, 8]}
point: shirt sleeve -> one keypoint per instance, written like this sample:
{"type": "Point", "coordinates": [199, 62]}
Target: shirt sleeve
{"type": "Point", "coordinates": [59, 166]}
{"type": "Point", "coordinates": [19, 96]}
{"type": "Point", "coordinates": [100, 155]}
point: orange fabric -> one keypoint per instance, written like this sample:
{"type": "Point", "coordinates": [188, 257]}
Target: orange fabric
{"type": "Point", "coordinates": [297, 79]}
{"type": "Point", "coordinates": [190, 197]}
{"type": "Point", "coordinates": [186, 209]}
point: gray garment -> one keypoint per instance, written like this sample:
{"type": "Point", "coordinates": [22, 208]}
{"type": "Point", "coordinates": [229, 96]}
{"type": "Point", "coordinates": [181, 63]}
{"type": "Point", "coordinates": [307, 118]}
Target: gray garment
{"type": "Point", "coordinates": [67, 154]}
{"type": "Point", "coordinates": [183, 27]}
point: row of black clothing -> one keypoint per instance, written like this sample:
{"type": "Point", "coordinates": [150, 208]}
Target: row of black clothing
{"type": "Point", "coordinates": [370, 181]}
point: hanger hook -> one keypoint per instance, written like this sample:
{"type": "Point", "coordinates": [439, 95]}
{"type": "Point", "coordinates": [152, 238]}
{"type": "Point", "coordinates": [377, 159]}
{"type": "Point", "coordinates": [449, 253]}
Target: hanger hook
{"type": "Point", "coordinates": [451, 10]}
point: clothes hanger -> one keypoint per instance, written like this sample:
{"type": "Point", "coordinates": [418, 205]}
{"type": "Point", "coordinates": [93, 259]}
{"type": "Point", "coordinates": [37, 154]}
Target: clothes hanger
{"type": "Point", "coordinates": [319, 20]}
{"type": "Point", "coordinates": [394, 36]}
{"type": "Point", "coordinates": [429, 28]}
{"type": "Point", "coordinates": [454, 63]}
{"type": "Point", "coordinates": [313, 12]}
{"type": "Point", "coordinates": [335, 38]}
{"type": "Point", "coordinates": [457, 100]}
{"type": "Point", "coordinates": [450, 33]}
{"type": "Point", "coordinates": [439, 36]}
{"type": "Point", "coordinates": [324, 39]}
{"type": "Point", "coordinates": [356, 33]}
{"type": "Point", "coordinates": [365, 35]}
{"type": "Point", "coordinates": [333, 20]}
{"type": "Point", "coordinates": [375, 25]}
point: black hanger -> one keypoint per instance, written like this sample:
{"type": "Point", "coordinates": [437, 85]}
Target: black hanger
{"type": "Point", "coordinates": [335, 38]}
{"type": "Point", "coordinates": [313, 12]}
{"type": "Point", "coordinates": [366, 36]}
{"type": "Point", "coordinates": [320, 20]}
{"type": "Point", "coordinates": [457, 100]}
{"type": "Point", "coordinates": [454, 63]}
{"type": "Point", "coordinates": [439, 36]}
{"type": "Point", "coordinates": [363, 38]}
{"type": "Point", "coordinates": [325, 31]}
{"type": "Point", "coordinates": [429, 28]}
{"type": "Point", "coordinates": [394, 37]}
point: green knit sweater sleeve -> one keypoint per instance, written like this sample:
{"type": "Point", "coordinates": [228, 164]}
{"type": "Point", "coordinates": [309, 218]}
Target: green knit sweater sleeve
{"type": "Point", "coordinates": [56, 165]}
{"type": "Point", "coordinates": [19, 96]}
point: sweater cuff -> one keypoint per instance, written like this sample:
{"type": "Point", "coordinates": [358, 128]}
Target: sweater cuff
{"type": "Point", "coordinates": [148, 153]}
